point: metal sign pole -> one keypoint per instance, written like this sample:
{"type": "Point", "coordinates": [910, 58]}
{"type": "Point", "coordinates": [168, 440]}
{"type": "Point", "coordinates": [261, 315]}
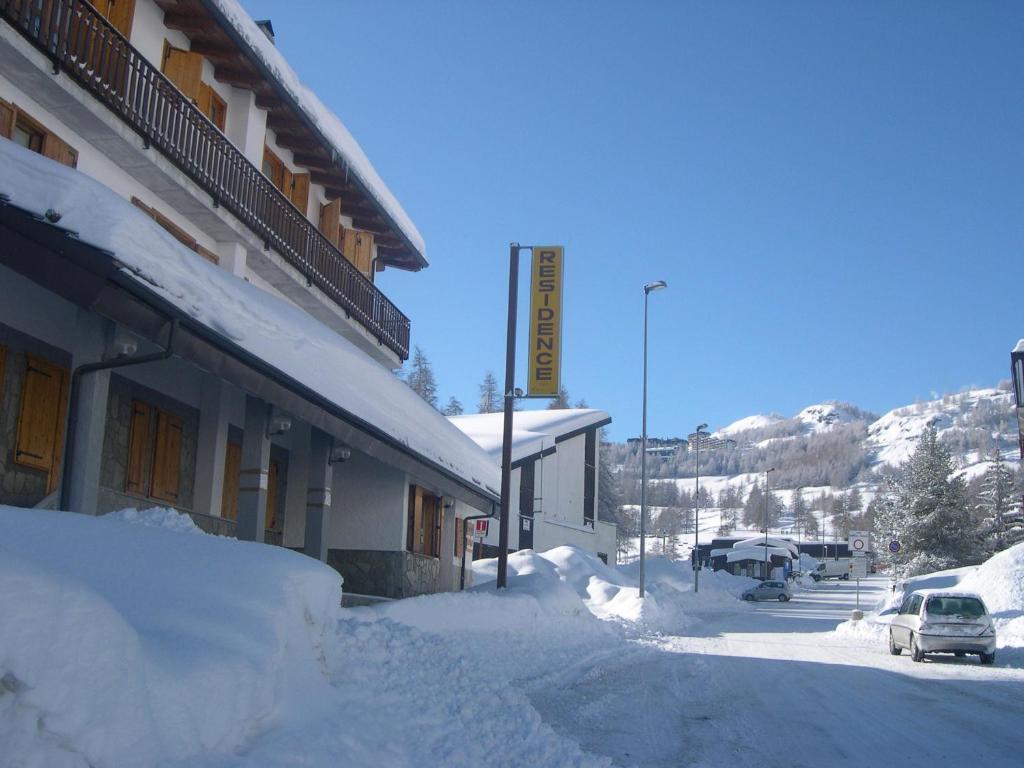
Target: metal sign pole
{"type": "Point", "coordinates": [506, 438]}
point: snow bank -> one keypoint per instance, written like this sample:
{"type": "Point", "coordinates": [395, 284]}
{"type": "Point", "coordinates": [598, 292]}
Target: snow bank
{"type": "Point", "coordinates": [130, 639]}
{"type": "Point", "coordinates": [999, 581]}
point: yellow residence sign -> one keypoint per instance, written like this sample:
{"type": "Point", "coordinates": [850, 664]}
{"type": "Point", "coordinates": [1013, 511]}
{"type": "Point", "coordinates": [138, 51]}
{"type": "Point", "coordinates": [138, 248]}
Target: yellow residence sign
{"type": "Point", "coordinates": [545, 322]}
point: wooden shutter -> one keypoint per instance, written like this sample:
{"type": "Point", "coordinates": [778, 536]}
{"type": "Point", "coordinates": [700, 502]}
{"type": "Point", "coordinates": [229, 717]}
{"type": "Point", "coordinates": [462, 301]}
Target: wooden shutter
{"type": "Point", "coordinates": [330, 222]}
{"type": "Point", "coordinates": [40, 415]}
{"type": "Point", "coordinates": [61, 151]}
{"type": "Point", "coordinates": [7, 118]}
{"type": "Point", "coordinates": [300, 191]}
{"type": "Point", "coordinates": [212, 105]}
{"type": "Point", "coordinates": [359, 250]}
{"type": "Point", "coordinates": [184, 69]}
{"type": "Point", "coordinates": [232, 480]}
{"type": "Point", "coordinates": [167, 458]}
{"type": "Point", "coordinates": [138, 448]}
{"type": "Point", "coordinates": [120, 14]}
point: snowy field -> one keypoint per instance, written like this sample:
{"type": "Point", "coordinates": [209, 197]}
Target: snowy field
{"type": "Point", "coordinates": [136, 640]}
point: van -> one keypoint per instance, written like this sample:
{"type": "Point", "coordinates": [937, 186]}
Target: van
{"type": "Point", "coordinates": [832, 569]}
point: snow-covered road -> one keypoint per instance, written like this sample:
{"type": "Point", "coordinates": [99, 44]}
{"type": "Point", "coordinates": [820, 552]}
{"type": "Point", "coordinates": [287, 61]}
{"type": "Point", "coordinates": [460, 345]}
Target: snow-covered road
{"type": "Point", "coordinates": [774, 686]}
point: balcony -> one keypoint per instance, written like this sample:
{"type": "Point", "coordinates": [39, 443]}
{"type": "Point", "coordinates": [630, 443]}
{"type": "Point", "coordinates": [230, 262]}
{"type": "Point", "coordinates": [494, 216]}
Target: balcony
{"type": "Point", "coordinates": [82, 43]}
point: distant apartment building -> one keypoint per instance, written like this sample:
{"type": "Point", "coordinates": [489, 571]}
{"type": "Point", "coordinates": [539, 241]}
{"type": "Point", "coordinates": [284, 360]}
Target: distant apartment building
{"type": "Point", "coordinates": [189, 248]}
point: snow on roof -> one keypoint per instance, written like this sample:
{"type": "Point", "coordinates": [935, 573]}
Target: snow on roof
{"type": "Point", "coordinates": [759, 541]}
{"type": "Point", "coordinates": [754, 553]}
{"type": "Point", "coordinates": [275, 331]}
{"type": "Point", "coordinates": [325, 120]}
{"type": "Point", "coordinates": [532, 431]}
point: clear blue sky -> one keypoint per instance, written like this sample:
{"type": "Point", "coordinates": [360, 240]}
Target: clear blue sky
{"type": "Point", "coordinates": [833, 192]}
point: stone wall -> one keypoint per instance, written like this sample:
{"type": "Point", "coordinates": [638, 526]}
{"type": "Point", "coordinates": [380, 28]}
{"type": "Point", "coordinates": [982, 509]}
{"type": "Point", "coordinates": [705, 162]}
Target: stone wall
{"type": "Point", "coordinates": [20, 486]}
{"type": "Point", "coordinates": [385, 574]}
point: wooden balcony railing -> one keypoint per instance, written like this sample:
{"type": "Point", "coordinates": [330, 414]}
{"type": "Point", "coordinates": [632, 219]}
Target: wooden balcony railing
{"type": "Point", "coordinates": [83, 43]}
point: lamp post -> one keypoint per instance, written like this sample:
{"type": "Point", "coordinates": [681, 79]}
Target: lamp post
{"type": "Point", "coordinates": [657, 285]}
{"type": "Point", "coordinates": [696, 512]}
{"type": "Point", "coordinates": [764, 517]}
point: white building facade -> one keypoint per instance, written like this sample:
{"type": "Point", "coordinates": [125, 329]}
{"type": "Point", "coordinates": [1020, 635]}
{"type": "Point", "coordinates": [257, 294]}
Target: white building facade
{"type": "Point", "coordinates": [554, 490]}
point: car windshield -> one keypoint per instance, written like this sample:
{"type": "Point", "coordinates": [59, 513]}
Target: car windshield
{"type": "Point", "coordinates": [960, 607]}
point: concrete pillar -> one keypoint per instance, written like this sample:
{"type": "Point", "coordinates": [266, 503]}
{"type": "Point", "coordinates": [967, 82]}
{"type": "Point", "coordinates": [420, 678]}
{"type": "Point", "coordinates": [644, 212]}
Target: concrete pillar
{"type": "Point", "coordinates": [252, 492]}
{"type": "Point", "coordinates": [84, 479]}
{"type": "Point", "coordinates": [296, 486]}
{"type": "Point", "coordinates": [212, 445]}
{"type": "Point", "coordinates": [318, 495]}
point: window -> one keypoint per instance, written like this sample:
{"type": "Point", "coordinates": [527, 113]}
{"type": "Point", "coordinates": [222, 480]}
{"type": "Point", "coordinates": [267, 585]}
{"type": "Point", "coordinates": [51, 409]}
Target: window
{"type": "Point", "coordinates": [17, 125]}
{"type": "Point", "coordinates": [273, 168]}
{"type": "Point", "coordinates": [184, 69]}
{"type": "Point", "coordinates": [359, 250]}
{"type": "Point", "coordinates": [232, 481]}
{"type": "Point", "coordinates": [118, 12]}
{"type": "Point", "coordinates": [179, 234]}
{"type": "Point", "coordinates": [44, 394]}
{"type": "Point", "coordinates": [154, 463]}
{"type": "Point", "coordinates": [423, 531]}
{"type": "Point", "coordinates": [589, 476]}
{"type": "Point", "coordinates": [213, 106]}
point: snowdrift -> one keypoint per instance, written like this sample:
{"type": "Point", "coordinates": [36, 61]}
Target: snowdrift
{"type": "Point", "coordinates": [124, 643]}
{"type": "Point", "coordinates": [999, 581]}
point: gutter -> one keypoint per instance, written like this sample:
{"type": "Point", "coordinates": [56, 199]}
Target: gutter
{"type": "Point", "coordinates": [76, 379]}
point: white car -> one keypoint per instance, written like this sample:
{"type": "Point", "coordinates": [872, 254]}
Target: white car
{"type": "Point", "coordinates": [943, 621]}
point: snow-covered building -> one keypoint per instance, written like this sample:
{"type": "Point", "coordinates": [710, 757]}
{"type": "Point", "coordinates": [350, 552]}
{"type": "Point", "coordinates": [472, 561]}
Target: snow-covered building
{"type": "Point", "coordinates": [189, 249]}
{"type": "Point", "coordinates": [760, 557]}
{"type": "Point", "coordinates": [554, 488]}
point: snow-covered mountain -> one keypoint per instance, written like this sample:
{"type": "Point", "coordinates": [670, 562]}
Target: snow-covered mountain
{"type": "Point", "coordinates": [824, 416]}
{"type": "Point", "coordinates": [750, 423]}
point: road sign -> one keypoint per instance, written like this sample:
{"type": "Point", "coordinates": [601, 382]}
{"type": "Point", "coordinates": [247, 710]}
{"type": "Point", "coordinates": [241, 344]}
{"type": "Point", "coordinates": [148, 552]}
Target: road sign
{"type": "Point", "coordinates": [858, 567]}
{"type": "Point", "coordinates": [545, 322]}
{"type": "Point", "coordinates": [480, 528]}
{"type": "Point", "coordinates": [860, 541]}
{"type": "Point", "coordinates": [894, 546]}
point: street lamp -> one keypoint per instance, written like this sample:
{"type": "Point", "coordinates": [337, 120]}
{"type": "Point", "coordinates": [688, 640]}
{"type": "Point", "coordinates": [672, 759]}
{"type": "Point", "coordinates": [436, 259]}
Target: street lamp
{"type": "Point", "coordinates": [764, 518]}
{"type": "Point", "coordinates": [657, 285]}
{"type": "Point", "coordinates": [696, 512]}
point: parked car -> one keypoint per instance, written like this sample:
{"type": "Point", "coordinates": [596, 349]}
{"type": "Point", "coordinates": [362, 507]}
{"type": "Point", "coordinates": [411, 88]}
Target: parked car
{"type": "Point", "coordinates": [943, 621]}
{"type": "Point", "coordinates": [769, 590]}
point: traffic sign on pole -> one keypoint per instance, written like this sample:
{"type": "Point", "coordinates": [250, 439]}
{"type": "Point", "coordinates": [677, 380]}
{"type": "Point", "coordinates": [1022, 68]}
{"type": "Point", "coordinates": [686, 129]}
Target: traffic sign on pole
{"type": "Point", "coordinates": [894, 546]}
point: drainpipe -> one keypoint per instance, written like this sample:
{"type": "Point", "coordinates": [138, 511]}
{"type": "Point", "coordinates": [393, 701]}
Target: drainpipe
{"type": "Point", "coordinates": [462, 570]}
{"type": "Point", "coordinates": [76, 376]}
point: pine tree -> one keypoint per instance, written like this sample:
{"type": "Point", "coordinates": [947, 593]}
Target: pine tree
{"type": "Point", "coordinates": [939, 531]}
{"type": "Point", "coordinates": [561, 402]}
{"type": "Point", "coordinates": [453, 408]}
{"type": "Point", "coordinates": [421, 377]}
{"type": "Point", "coordinates": [998, 510]}
{"type": "Point", "coordinates": [490, 395]}
{"type": "Point", "coordinates": [854, 502]}
{"type": "Point", "coordinates": [799, 509]}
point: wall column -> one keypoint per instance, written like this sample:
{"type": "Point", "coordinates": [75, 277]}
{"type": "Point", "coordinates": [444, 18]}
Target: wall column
{"type": "Point", "coordinates": [318, 495]}
{"type": "Point", "coordinates": [84, 480]}
{"type": "Point", "coordinates": [212, 445]}
{"type": "Point", "coordinates": [295, 494]}
{"type": "Point", "coordinates": [252, 492]}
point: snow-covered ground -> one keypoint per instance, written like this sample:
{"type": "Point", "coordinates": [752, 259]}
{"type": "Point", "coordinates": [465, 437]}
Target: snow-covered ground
{"type": "Point", "coordinates": [135, 640]}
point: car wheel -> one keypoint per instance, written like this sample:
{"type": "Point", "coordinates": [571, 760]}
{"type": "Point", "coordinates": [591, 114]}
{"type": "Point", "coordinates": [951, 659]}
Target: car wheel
{"type": "Point", "coordinates": [894, 649]}
{"type": "Point", "coordinates": [816, 577]}
{"type": "Point", "coordinates": [846, 577]}
{"type": "Point", "coordinates": [915, 650]}
{"type": "Point", "coordinates": [783, 599]}
{"type": "Point", "coordinates": [987, 658]}
{"type": "Point", "coordinates": [958, 654]}
{"type": "Point", "coordinates": [749, 598]}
